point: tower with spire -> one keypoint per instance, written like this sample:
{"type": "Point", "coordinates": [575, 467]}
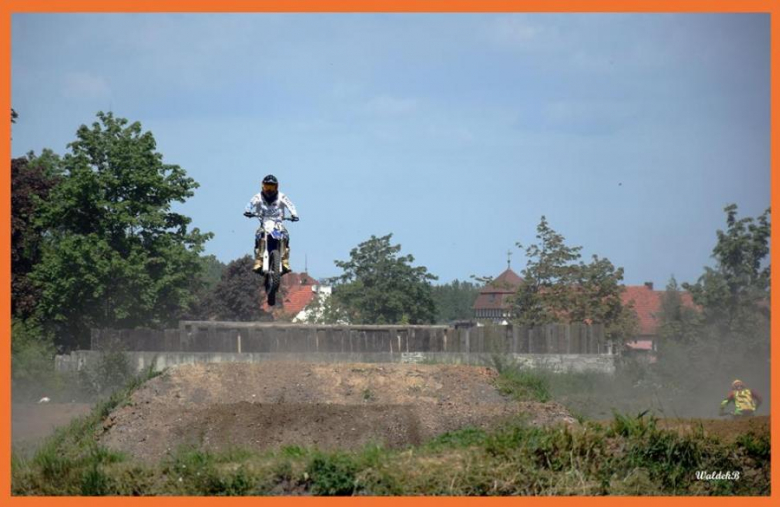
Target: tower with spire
{"type": "Point", "coordinates": [493, 304]}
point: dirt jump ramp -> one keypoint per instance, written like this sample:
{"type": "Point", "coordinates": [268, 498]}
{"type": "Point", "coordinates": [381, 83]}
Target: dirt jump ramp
{"type": "Point", "coordinates": [329, 406]}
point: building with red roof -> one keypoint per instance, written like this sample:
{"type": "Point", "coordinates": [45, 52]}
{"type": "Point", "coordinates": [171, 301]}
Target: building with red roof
{"type": "Point", "coordinates": [647, 305]}
{"type": "Point", "coordinates": [493, 302]}
{"type": "Point", "coordinates": [298, 290]}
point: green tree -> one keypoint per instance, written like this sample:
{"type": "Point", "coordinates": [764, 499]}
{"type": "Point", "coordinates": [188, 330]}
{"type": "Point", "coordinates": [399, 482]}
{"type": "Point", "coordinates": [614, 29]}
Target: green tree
{"type": "Point", "coordinates": [545, 293]}
{"type": "Point", "coordinates": [454, 300]}
{"type": "Point", "coordinates": [677, 321]}
{"type": "Point", "coordinates": [734, 295]}
{"type": "Point", "coordinates": [115, 254]}
{"type": "Point", "coordinates": [212, 271]}
{"type": "Point", "coordinates": [32, 180]}
{"type": "Point", "coordinates": [558, 287]}
{"type": "Point", "coordinates": [324, 309]}
{"type": "Point", "coordinates": [378, 286]}
{"type": "Point", "coordinates": [237, 296]}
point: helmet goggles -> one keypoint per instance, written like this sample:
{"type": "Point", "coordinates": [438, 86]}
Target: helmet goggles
{"type": "Point", "coordinates": [270, 187]}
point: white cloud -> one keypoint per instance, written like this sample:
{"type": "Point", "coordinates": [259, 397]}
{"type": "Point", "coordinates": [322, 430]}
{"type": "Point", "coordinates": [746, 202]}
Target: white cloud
{"type": "Point", "coordinates": [85, 85]}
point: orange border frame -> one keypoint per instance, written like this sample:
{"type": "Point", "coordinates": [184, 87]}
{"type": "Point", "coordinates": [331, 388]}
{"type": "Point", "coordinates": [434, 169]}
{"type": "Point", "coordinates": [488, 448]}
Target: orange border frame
{"type": "Point", "coordinates": [10, 7]}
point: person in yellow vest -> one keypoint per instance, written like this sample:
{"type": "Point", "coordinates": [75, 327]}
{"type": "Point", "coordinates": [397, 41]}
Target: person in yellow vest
{"type": "Point", "coordinates": [746, 401]}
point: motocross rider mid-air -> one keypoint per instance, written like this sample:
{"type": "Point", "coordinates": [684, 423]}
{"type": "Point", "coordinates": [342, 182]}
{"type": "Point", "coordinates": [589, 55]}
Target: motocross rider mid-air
{"type": "Point", "coordinates": [270, 204]}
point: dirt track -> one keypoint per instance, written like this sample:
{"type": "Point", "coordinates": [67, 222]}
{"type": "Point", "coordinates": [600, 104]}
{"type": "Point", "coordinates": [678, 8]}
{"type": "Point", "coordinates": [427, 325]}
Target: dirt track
{"type": "Point", "coordinates": [265, 406]}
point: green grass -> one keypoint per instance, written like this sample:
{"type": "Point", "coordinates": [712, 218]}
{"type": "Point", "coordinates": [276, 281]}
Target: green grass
{"type": "Point", "coordinates": [70, 462]}
{"type": "Point", "coordinates": [629, 455]}
{"type": "Point", "coordinates": [522, 384]}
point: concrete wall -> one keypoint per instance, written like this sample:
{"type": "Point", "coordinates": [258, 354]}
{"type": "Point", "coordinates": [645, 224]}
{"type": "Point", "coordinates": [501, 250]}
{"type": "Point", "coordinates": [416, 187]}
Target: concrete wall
{"type": "Point", "coordinates": [251, 337]}
{"type": "Point", "coordinates": [161, 360]}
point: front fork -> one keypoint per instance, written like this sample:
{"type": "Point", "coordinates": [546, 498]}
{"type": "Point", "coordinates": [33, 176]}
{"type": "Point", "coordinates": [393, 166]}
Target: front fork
{"type": "Point", "coordinates": [261, 252]}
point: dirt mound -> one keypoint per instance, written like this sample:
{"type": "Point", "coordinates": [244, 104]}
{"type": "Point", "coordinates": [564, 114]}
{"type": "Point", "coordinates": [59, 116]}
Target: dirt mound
{"type": "Point", "coordinates": [268, 405]}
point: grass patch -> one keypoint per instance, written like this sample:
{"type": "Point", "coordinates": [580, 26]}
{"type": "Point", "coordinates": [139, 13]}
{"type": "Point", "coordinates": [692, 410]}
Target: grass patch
{"type": "Point", "coordinates": [524, 385]}
{"type": "Point", "coordinates": [628, 456]}
{"type": "Point", "coordinates": [70, 462]}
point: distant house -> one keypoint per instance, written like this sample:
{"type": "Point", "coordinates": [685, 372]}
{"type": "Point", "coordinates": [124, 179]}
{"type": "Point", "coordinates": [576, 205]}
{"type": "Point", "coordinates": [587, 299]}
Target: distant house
{"type": "Point", "coordinates": [493, 302]}
{"type": "Point", "coordinates": [308, 312]}
{"type": "Point", "coordinates": [647, 304]}
{"type": "Point", "coordinates": [298, 290]}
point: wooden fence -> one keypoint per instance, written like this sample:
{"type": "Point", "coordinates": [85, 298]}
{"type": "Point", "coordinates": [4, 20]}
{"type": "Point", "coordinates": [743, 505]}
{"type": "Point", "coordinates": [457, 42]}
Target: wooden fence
{"type": "Point", "coordinates": [207, 336]}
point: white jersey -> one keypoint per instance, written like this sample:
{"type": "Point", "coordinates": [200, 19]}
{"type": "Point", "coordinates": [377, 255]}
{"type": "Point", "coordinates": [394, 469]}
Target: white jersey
{"type": "Point", "coordinates": [271, 211]}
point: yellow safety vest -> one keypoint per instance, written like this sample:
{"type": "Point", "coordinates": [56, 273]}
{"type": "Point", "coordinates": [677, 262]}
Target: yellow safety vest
{"type": "Point", "coordinates": [743, 399]}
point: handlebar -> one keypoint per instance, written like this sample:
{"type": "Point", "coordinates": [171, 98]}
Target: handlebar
{"type": "Point", "coordinates": [255, 215]}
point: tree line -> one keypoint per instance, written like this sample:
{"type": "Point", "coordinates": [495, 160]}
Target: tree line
{"type": "Point", "coordinates": [96, 243]}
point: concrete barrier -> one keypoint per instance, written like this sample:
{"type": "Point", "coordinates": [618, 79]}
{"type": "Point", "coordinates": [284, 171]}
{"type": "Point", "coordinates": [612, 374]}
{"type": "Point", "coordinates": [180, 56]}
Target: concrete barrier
{"type": "Point", "coordinates": [160, 360]}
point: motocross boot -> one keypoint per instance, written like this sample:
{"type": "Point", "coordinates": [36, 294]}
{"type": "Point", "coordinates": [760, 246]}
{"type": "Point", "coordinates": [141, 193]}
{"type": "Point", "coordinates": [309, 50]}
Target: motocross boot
{"type": "Point", "coordinates": [286, 261]}
{"type": "Point", "coordinates": [258, 267]}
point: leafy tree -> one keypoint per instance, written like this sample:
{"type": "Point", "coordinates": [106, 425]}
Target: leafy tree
{"type": "Point", "coordinates": [678, 322]}
{"type": "Point", "coordinates": [734, 295]}
{"type": "Point", "coordinates": [546, 290]}
{"type": "Point", "coordinates": [115, 254]}
{"type": "Point", "coordinates": [324, 309]}
{"type": "Point", "coordinates": [32, 352]}
{"type": "Point", "coordinates": [558, 287]}
{"type": "Point", "coordinates": [212, 271]}
{"type": "Point", "coordinates": [454, 301]}
{"type": "Point", "coordinates": [728, 335]}
{"type": "Point", "coordinates": [597, 298]}
{"type": "Point", "coordinates": [380, 287]}
{"type": "Point", "coordinates": [32, 180]}
{"type": "Point", "coordinates": [237, 296]}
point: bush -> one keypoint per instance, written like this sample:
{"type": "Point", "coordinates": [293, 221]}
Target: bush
{"type": "Point", "coordinates": [332, 474]}
{"type": "Point", "coordinates": [111, 371]}
{"type": "Point", "coordinates": [32, 365]}
{"type": "Point", "coordinates": [32, 352]}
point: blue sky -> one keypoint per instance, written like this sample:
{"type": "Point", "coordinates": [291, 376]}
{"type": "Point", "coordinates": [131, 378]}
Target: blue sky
{"type": "Point", "coordinates": [454, 132]}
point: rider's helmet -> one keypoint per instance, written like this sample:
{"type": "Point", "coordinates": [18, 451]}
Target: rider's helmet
{"type": "Point", "coordinates": [270, 188]}
{"type": "Point", "coordinates": [737, 384]}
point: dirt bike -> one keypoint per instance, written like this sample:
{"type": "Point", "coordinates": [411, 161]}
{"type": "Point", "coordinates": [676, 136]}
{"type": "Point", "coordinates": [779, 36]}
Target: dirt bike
{"type": "Point", "coordinates": [271, 238]}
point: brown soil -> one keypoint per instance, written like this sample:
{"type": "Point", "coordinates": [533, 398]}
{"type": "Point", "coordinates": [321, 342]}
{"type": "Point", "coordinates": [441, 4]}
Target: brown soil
{"type": "Point", "coordinates": [269, 405]}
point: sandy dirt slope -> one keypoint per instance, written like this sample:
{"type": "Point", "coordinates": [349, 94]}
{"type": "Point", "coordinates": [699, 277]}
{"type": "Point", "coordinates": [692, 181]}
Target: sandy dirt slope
{"type": "Point", "coordinates": [268, 405]}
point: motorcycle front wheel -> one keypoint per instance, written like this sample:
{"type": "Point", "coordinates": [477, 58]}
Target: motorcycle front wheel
{"type": "Point", "coordinates": [274, 276]}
